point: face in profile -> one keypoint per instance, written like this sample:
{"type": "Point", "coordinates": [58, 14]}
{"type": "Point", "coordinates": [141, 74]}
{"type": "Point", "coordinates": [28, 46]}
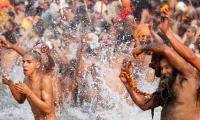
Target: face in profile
{"type": "Point", "coordinates": [30, 65]}
{"type": "Point", "coordinates": [189, 33]}
{"type": "Point", "coordinates": [166, 68]}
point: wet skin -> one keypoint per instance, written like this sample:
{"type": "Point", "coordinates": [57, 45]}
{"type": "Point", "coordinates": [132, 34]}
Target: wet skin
{"type": "Point", "coordinates": [37, 89]}
{"type": "Point", "coordinates": [183, 103]}
{"type": "Point", "coordinates": [42, 90]}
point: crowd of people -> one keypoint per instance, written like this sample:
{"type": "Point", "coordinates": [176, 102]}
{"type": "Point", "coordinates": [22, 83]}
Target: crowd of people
{"type": "Point", "coordinates": [71, 47]}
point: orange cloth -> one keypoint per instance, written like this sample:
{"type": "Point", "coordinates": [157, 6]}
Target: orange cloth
{"type": "Point", "coordinates": [127, 5]}
{"type": "Point", "coordinates": [4, 3]}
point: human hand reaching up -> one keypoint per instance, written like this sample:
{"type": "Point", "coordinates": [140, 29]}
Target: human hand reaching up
{"type": "Point", "coordinates": [5, 43]}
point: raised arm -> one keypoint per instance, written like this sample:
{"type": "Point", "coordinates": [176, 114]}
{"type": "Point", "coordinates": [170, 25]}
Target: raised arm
{"type": "Point", "coordinates": [79, 70]}
{"type": "Point", "coordinates": [131, 21]}
{"type": "Point", "coordinates": [155, 36]}
{"type": "Point", "coordinates": [21, 51]}
{"type": "Point", "coordinates": [173, 58]}
{"type": "Point", "coordinates": [143, 100]}
{"type": "Point", "coordinates": [8, 45]}
{"type": "Point", "coordinates": [19, 97]}
{"type": "Point", "coordinates": [180, 48]}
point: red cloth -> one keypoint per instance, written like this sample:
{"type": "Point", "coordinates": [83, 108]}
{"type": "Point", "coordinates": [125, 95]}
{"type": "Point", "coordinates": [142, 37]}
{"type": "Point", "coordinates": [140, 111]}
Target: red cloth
{"type": "Point", "coordinates": [123, 14]}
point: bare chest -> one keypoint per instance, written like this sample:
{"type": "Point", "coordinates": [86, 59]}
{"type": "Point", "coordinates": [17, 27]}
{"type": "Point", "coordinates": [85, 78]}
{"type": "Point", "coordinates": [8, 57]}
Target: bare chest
{"type": "Point", "coordinates": [184, 90]}
{"type": "Point", "coordinates": [183, 105]}
{"type": "Point", "coordinates": [37, 90]}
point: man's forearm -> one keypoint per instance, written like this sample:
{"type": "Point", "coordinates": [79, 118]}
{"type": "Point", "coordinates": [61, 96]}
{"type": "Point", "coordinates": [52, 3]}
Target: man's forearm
{"type": "Point", "coordinates": [19, 50]}
{"type": "Point", "coordinates": [172, 57]}
{"type": "Point", "coordinates": [19, 97]}
{"type": "Point", "coordinates": [47, 108]}
{"type": "Point", "coordinates": [156, 37]}
{"type": "Point", "coordinates": [183, 50]}
{"type": "Point", "coordinates": [138, 99]}
{"type": "Point", "coordinates": [155, 47]}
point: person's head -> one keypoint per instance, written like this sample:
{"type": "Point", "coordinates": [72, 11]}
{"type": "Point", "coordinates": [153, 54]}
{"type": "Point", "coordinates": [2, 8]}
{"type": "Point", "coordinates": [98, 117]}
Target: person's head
{"type": "Point", "coordinates": [197, 43]}
{"type": "Point", "coordinates": [31, 62]}
{"type": "Point", "coordinates": [143, 34]}
{"type": "Point", "coordinates": [105, 1]}
{"type": "Point", "coordinates": [57, 2]}
{"type": "Point", "coordinates": [9, 25]}
{"type": "Point", "coordinates": [166, 68]}
{"type": "Point", "coordinates": [39, 28]}
{"type": "Point", "coordinates": [191, 31]}
{"type": "Point", "coordinates": [44, 4]}
{"type": "Point", "coordinates": [20, 5]}
{"type": "Point", "coordinates": [161, 66]}
{"type": "Point", "coordinates": [46, 58]}
{"type": "Point", "coordinates": [48, 63]}
{"type": "Point", "coordinates": [81, 14]}
{"type": "Point", "coordinates": [20, 11]}
{"type": "Point", "coordinates": [105, 26]}
{"type": "Point", "coordinates": [11, 15]}
{"type": "Point", "coordinates": [32, 12]}
{"type": "Point", "coordinates": [106, 40]}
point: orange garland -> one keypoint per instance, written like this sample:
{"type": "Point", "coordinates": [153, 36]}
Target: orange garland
{"type": "Point", "coordinates": [133, 85]}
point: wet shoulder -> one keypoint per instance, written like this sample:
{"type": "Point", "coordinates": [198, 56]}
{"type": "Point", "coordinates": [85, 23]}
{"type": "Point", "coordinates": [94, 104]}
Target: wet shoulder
{"type": "Point", "coordinates": [46, 80]}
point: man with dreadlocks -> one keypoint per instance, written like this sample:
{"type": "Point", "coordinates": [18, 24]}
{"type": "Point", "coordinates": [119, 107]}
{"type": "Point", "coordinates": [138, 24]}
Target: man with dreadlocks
{"type": "Point", "coordinates": [37, 88]}
{"type": "Point", "coordinates": [178, 92]}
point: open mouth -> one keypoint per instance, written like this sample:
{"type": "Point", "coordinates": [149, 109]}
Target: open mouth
{"type": "Point", "coordinates": [25, 70]}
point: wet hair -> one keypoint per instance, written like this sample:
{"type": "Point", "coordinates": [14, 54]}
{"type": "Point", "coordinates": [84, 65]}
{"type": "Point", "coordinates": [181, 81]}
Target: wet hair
{"type": "Point", "coordinates": [80, 13]}
{"type": "Point", "coordinates": [11, 14]}
{"type": "Point", "coordinates": [105, 26]}
{"type": "Point", "coordinates": [155, 63]}
{"type": "Point", "coordinates": [138, 6]}
{"type": "Point", "coordinates": [32, 11]}
{"type": "Point", "coordinates": [36, 55]}
{"type": "Point", "coordinates": [39, 28]}
{"type": "Point", "coordinates": [9, 34]}
{"type": "Point", "coordinates": [50, 64]}
{"type": "Point", "coordinates": [193, 28]}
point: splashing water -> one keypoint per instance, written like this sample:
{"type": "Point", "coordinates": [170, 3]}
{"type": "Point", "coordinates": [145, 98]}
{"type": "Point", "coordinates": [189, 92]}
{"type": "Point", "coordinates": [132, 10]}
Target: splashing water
{"type": "Point", "coordinates": [106, 105]}
{"type": "Point", "coordinates": [110, 106]}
